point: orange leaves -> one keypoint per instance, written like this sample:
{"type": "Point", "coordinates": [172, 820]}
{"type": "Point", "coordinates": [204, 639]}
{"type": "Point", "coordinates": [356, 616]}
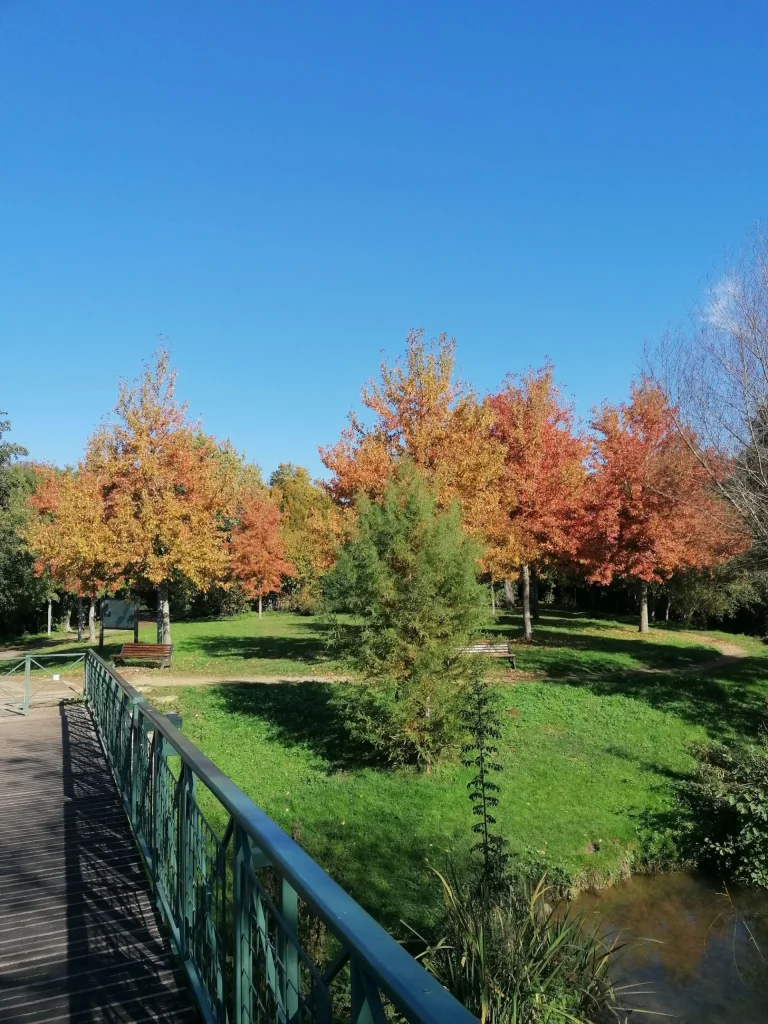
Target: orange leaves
{"type": "Point", "coordinates": [421, 413]}
{"type": "Point", "coordinates": [69, 534]}
{"type": "Point", "coordinates": [257, 556]}
{"type": "Point", "coordinates": [169, 490]}
{"type": "Point", "coordinates": [542, 481]}
{"type": "Point", "coordinates": [650, 505]}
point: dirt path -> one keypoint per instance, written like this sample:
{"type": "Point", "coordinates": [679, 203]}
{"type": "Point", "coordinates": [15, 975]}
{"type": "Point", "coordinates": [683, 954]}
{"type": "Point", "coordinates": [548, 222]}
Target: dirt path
{"type": "Point", "coordinates": [146, 682]}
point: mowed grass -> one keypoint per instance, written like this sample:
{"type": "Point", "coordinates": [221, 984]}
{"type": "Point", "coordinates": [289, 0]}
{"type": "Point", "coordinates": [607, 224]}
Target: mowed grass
{"type": "Point", "coordinates": [284, 644]}
{"type": "Point", "coordinates": [278, 644]}
{"type": "Point", "coordinates": [588, 762]}
{"type": "Point", "coordinates": [598, 721]}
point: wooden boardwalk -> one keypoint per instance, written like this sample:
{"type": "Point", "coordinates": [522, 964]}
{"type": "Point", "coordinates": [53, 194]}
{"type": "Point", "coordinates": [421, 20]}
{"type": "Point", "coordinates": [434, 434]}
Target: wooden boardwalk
{"type": "Point", "coordinates": [79, 938]}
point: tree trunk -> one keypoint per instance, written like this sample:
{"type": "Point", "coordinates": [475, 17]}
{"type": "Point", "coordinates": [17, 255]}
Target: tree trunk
{"type": "Point", "coordinates": [493, 599]}
{"type": "Point", "coordinates": [666, 610]}
{"type": "Point", "coordinates": [163, 615]}
{"type": "Point", "coordinates": [79, 619]}
{"type": "Point", "coordinates": [92, 620]}
{"type": "Point", "coordinates": [525, 581]}
{"type": "Point", "coordinates": [49, 615]}
{"type": "Point", "coordinates": [534, 595]}
{"type": "Point", "coordinates": [643, 606]}
{"type": "Point", "coordinates": [509, 593]}
{"type": "Point", "coordinates": [259, 605]}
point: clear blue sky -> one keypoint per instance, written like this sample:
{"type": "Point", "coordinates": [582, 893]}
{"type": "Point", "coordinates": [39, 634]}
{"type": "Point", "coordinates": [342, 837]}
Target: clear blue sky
{"type": "Point", "coordinates": [284, 189]}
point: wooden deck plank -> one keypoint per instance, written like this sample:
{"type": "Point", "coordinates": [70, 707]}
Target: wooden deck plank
{"type": "Point", "coordinates": [79, 937]}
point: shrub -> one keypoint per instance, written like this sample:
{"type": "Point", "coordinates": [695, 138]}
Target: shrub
{"type": "Point", "coordinates": [410, 574]}
{"type": "Point", "coordinates": [512, 958]}
{"type": "Point", "coordinates": [730, 809]}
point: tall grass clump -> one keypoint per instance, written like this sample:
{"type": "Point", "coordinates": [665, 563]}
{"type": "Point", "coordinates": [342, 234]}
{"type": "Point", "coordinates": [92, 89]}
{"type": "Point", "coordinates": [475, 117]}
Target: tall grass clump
{"type": "Point", "coordinates": [505, 947]}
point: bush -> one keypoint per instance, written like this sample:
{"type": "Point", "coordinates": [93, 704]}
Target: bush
{"type": "Point", "coordinates": [730, 810]}
{"type": "Point", "coordinates": [512, 958]}
{"type": "Point", "coordinates": [410, 574]}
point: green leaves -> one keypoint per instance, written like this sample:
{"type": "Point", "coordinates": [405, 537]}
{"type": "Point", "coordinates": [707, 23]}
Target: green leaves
{"type": "Point", "coordinates": [409, 573]}
{"type": "Point", "coordinates": [732, 810]}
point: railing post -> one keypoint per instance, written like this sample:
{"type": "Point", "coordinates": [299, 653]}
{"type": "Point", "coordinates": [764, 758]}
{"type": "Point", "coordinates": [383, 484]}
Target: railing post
{"type": "Point", "coordinates": [241, 924]}
{"type": "Point", "coordinates": [366, 1001]}
{"type": "Point", "coordinates": [27, 670]}
{"type": "Point", "coordinates": [185, 859]}
{"type": "Point", "coordinates": [287, 951]}
{"type": "Point", "coordinates": [136, 740]}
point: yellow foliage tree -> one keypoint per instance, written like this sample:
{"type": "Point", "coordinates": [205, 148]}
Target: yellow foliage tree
{"type": "Point", "coordinates": [422, 413]}
{"type": "Point", "coordinates": [312, 525]}
{"type": "Point", "coordinates": [168, 489]}
{"type": "Point", "coordinates": [70, 537]}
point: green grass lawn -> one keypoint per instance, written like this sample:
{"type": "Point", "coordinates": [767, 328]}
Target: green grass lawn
{"type": "Point", "coordinates": [284, 644]}
{"type": "Point", "coordinates": [593, 746]}
{"type": "Point", "coordinates": [280, 643]}
{"type": "Point", "coordinates": [588, 762]}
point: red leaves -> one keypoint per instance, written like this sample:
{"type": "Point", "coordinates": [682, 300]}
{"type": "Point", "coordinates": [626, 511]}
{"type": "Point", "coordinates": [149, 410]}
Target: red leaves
{"type": "Point", "coordinates": [650, 507]}
{"type": "Point", "coordinates": [544, 472]}
{"type": "Point", "coordinates": [257, 551]}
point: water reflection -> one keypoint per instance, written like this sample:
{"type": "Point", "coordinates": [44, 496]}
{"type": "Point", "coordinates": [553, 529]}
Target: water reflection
{"type": "Point", "coordinates": [703, 965]}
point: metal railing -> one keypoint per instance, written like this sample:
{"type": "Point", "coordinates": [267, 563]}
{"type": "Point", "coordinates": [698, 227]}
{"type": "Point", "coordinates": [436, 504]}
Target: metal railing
{"type": "Point", "coordinates": [17, 695]}
{"type": "Point", "coordinates": [264, 933]}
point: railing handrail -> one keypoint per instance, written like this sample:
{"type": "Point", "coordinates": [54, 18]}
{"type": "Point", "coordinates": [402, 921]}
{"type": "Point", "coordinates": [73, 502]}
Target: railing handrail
{"type": "Point", "coordinates": [72, 655]}
{"type": "Point", "coordinates": [411, 988]}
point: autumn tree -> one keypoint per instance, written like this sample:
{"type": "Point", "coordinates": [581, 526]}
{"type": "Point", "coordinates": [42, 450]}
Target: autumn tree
{"type": "Point", "coordinates": [541, 484]}
{"type": "Point", "coordinates": [651, 509]}
{"type": "Point", "coordinates": [257, 557]}
{"type": "Point", "coordinates": [420, 411]}
{"type": "Point", "coordinates": [313, 528]}
{"type": "Point", "coordinates": [70, 537]}
{"type": "Point", "coordinates": [168, 488]}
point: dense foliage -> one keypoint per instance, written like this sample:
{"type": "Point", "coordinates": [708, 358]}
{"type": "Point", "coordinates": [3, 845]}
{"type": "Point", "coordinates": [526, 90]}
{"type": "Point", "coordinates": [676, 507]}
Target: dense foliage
{"type": "Point", "coordinates": [730, 802]}
{"type": "Point", "coordinates": [409, 573]}
{"type": "Point", "coordinates": [513, 956]}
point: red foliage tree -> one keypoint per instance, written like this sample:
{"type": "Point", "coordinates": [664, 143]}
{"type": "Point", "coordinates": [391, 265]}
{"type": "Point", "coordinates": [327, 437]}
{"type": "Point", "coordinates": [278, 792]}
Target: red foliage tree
{"type": "Point", "coordinates": [651, 508]}
{"type": "Point", "coordinates": [257, 549]}
{"type": "Point", "coordinates": [542, 481]}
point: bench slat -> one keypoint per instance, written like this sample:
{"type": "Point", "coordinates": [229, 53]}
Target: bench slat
{"type": "Point", "coordinates": [491, 650]}
{"type": "Point", "coordinates": [147, 652]}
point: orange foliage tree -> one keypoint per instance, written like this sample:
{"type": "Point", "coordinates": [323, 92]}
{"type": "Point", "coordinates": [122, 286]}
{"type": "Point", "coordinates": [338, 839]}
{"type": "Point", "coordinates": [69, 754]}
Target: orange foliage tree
{"type": "Point", "coordinates": [421, 413]}
{"type": "Point", "coordinates": [257, 549]}
{"type": "Point", "coordinates": [70, 537]}
{"type": "Point", "coordinates": [542, 481]}
{"type": "Point", "coordinates": [650, 505]}
{"type": "Point", "coordinates": [168, 489]}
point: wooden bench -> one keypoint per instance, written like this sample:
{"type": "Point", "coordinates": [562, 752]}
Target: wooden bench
{"type": "Point", "coordinates": [160, 653]}
{"type": "Point", "coordinates": [491, 650]}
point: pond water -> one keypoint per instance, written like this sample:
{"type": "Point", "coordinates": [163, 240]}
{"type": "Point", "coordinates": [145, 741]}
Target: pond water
{"type": "Point", "coordinates": [693, 948]}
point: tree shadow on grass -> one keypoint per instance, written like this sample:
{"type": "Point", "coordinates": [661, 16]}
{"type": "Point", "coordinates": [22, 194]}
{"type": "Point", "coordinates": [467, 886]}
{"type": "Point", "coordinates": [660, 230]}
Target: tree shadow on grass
{"type": "Point", "coordinates": [560, 654]}
{"type": "Point", "coordinates": [384, 867]}
{"type": "Point", "coordinates": [307, 650]}
{"type": "Point", "coordinates": [303, 714]}
{"type": "Point", "coordinates": [729, 703]}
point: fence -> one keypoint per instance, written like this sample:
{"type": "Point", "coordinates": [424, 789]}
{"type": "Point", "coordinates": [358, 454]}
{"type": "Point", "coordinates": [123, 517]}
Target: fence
{"type": "Point", "coordinates": [264, 933]}
{"type": "Point", "coordinates": [26, 680]}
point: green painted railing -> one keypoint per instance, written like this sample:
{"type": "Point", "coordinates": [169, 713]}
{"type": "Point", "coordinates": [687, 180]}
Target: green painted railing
{"type": "Point", "coordinates": [263, 932]}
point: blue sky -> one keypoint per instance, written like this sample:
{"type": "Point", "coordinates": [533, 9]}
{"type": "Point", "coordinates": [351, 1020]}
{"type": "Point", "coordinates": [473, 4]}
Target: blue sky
{"type": "Point", "coordinates": [284, 189]}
